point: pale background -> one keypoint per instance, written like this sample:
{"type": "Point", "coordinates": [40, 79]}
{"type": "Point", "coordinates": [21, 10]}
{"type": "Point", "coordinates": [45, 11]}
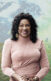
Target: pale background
{"type": "Point", "coordinates": [40, 10]}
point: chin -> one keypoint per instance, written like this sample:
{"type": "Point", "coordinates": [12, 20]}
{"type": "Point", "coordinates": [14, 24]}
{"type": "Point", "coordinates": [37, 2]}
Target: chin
{"type": "Point", "coordinates": [25, 36]}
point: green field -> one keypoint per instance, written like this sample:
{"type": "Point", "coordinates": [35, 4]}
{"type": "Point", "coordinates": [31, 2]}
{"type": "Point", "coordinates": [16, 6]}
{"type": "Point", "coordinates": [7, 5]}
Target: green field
{"type": "Point", "coordinates": [46, 78]}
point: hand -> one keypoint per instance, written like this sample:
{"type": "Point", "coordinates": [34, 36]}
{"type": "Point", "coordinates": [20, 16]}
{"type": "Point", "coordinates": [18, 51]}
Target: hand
{"type": "Point", "coordinates": [18, 77]}
{"type": "Point", "coordinates": [25, 78]}
{"type": "Point", "coordinates": [36, 78]}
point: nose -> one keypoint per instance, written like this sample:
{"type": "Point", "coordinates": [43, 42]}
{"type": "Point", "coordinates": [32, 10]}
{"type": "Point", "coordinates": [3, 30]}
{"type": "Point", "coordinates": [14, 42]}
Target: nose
{"type": "Point", "coordinates": [24, 27]}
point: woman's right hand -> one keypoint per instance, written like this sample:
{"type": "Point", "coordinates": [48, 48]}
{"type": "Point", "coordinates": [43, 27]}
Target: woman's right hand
{"type": "Point", "coordinates": [18, 77]}
{"type": "Point", "coordinates": [15, 77]}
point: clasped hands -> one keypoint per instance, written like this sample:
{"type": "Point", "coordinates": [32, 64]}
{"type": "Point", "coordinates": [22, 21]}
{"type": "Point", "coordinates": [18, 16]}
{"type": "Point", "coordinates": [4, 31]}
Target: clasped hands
{"type": "Point", "coordinates": [23, 78]}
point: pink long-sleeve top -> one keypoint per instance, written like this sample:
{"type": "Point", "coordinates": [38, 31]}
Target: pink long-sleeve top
{"type": "Point", "coordinates": [24, 62]}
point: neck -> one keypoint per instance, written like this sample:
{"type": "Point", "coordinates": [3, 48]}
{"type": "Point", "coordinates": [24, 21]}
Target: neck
{"type": "Point", "coordinates": [23, 40]}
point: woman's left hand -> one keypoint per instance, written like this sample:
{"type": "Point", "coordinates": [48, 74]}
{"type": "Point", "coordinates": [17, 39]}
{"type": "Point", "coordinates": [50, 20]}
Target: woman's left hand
{"type": "Point", "coordinates": [36, 79]}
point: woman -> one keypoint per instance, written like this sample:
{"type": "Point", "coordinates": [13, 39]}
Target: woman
{"type": "Point", "coordinates": [24, 55]}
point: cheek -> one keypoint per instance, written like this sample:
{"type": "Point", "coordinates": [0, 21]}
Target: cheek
{"type": "Point", "coordinates": [29, 30]}
{"type": "Point", "coordinates": [20, 30]}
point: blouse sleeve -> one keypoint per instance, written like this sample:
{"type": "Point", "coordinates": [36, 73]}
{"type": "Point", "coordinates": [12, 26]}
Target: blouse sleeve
{"type": "Point", "coordinates": [6, 59]}
{"type": "Point", "coordinates": [44, 63]}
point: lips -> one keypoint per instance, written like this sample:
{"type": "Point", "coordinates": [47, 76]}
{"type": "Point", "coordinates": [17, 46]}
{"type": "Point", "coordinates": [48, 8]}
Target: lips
{"type": "Point", "coordinates": [25, 32]}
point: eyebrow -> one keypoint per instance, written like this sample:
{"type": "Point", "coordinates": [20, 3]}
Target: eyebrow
{"type": "Point", "coordinates": [26, 24]}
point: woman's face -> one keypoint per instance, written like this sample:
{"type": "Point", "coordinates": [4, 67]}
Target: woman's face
{"type": "Point", "coordinates": [24, 28]}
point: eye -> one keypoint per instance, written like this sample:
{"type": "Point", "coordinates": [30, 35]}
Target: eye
{"type": "Point", "coordinates": [21, 25]}
{"type": "Point", "coordinates": [27, 25]}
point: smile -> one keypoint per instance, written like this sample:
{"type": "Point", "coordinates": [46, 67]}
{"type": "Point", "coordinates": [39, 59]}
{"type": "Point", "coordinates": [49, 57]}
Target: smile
{"type": "Point", "coordinates": [25, 32]}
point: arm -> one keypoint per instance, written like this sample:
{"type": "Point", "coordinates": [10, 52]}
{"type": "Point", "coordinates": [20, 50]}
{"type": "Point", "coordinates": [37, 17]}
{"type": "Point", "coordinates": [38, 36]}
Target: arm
{"type": "Point", "coordinates": [44, 63]}
{"type": "Point", "coordinates": [6, 59]}
{"type": "Point", "coordinates": [6, 62]}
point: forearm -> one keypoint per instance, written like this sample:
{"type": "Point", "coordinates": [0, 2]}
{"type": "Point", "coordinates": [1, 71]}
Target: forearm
{"type": "Point", "coordinates": [11, 73]}
{"type": "Point", "coordinates": [8, 71]}
{"type": "Point", "coordinates": [42, 73]}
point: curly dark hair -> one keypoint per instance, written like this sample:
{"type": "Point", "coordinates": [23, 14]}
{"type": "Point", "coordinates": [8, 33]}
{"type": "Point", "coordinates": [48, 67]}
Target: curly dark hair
{"type": "Point", "coordinates": [15, 25]}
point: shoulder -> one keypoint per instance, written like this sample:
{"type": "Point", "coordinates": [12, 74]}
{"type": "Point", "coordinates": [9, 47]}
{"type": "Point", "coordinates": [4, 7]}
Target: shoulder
{"type": "Point", "coordinates": [7, 45]}
{"type": "Point", "coordinates": [42, 44]}
{"type": "Point", "coordinates": [8, 42]}
{"type": "Point", "coordinates": [40, 40]}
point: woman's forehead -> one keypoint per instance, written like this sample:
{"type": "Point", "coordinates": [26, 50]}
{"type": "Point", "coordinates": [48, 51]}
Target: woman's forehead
{"type": "Point", "coordinates": [26, 21]}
